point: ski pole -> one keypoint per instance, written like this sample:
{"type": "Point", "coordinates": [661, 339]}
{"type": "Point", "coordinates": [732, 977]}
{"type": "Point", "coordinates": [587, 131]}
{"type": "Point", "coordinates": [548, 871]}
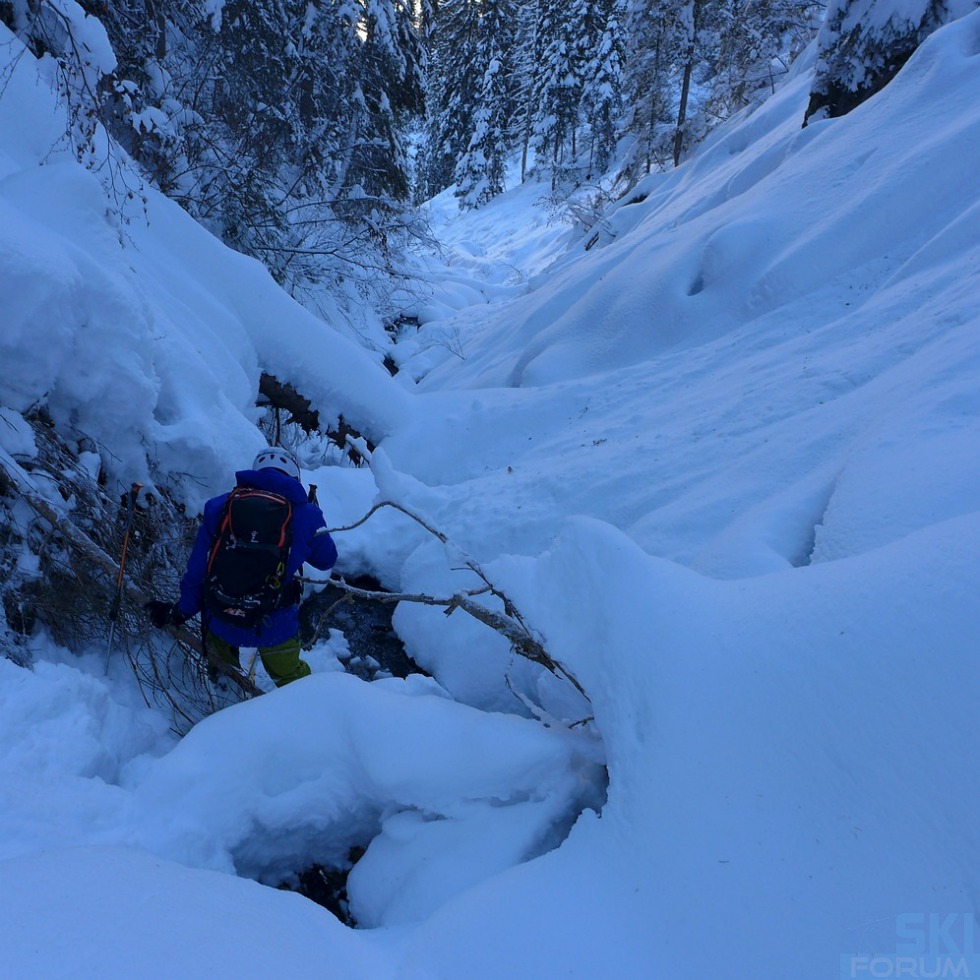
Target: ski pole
{"type": "Point", "coordinates": [129, 500]}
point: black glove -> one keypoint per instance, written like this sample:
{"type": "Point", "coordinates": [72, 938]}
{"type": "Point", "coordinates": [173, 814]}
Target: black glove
{"type": "Point", "coordinates": [163, 614]}
{"type": "Point", "coordinates": [292, 592]}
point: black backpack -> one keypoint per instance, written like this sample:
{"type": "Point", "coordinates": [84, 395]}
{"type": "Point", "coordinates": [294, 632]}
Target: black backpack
{"type": "Point", "coordinates": [247, 561]}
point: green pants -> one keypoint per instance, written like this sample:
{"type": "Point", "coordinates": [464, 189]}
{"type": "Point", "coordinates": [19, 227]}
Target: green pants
{"type": "Point", "coordinates": [282, 662]}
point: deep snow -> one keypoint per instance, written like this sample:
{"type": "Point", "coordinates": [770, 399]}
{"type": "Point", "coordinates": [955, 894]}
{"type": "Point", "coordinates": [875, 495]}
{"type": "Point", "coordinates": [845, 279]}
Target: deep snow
{"type": "Point", "coordinates": [725, 462]}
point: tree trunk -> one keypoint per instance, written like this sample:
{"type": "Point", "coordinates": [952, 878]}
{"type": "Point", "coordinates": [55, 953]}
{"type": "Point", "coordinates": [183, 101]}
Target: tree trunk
{"type": "Point", "coordinates": [692, 45]}
{"type": "Point", "coordinates": [682, 109]}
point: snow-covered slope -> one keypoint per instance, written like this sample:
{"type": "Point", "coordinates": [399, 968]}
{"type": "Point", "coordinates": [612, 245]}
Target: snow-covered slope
{"type": "Point", "coordinates": [137, 328]}
{"type": "Point", "coordinates": [725, 462]}
{"type": "Point", "coordinates": [777, 337]}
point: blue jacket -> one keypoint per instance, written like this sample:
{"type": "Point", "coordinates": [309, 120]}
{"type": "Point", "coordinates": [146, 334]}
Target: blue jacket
{"type": "Point", "coordinates": [308, 546]}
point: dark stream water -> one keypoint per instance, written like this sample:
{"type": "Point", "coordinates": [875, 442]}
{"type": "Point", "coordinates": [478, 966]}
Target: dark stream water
{"type": "Point", "coordinates": [375, 649]}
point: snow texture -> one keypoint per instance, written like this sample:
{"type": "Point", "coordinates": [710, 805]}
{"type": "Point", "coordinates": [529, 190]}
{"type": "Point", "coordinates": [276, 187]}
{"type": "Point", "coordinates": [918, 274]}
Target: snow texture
{"type": "Point", "coordinates": [724, 461]}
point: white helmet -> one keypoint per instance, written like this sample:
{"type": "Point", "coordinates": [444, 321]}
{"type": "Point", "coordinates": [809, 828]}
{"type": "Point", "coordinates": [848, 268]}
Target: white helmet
{"type": "Point", "coordinates": [277, 458]}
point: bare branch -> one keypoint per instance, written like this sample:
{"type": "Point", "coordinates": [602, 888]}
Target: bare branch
{"type": "Point", "coordinates": [84, 547]}
{"type": "Point", "coordinates": [510, 624]}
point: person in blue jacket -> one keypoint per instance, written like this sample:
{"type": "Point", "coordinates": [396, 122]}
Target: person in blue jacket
{"type": "Point", "coordinates": [277, 636]}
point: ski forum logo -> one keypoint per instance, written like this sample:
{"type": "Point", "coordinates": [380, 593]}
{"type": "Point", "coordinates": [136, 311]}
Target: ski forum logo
{"type": "Point", "coordinates": [913, 944]}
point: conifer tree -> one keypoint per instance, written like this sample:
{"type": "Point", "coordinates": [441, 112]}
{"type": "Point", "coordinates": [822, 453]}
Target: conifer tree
{"type": "Point", "coordinates": [453, 90]}
{"type": "Point", "coordinates": [557, 90]}
{"type": "Point", "coordinates": [650, 81]}
{"type": "Point", "coordinates": [389, 72]}
{"type": "Point", "coordinates": [523, 57]}
{"type": "Point", "coordinates": [863, 44]}
{"type": "Point", "coordinates": [479, 173]}
{"type": "Point", "coordinates": [602, 83]}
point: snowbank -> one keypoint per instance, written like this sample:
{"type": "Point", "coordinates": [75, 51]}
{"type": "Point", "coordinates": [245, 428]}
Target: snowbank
{"type": "Point", "coordinates": [725, 464]}
{"type": "Point", "coordinates": [323, 766]}
{"type": "Point", "coordinates": [89, 913]}
{"type": "Point", "coordinates": [136, 328]}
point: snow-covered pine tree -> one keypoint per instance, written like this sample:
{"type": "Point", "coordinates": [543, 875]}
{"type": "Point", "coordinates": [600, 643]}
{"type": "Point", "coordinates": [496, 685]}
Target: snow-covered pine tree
{"type": "Point", "coordinates": [524, 47]}
{"type": "Point", "coordinates": [479, 173]}
{"type": "Point", "coordinates": [312, 186]}
{"type": "Point", "coordinates": [389, 72]}
{"type": "Point", "coordinates": [652, 46]}
{"type": "Point", "coordinates": [864, 43]}
{"type": "Point", "coordinates": [601, 104]}
{"type": "Point", "coordinates": [452, 91]}
{"type": "Point", "coordinates": [145, 38]}
{"type": "Point", "coordinates": [557, 89]}
{"type": "Point", "coordinates": [670, 50]}
{"type": "Point", "coordinates": [252, 121]}
{"type": "Point", "coordinates": [345, 196]}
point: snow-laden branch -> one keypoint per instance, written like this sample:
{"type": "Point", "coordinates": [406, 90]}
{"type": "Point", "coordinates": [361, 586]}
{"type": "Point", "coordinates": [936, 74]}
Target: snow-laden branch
{"type": "Point", "coordinates": [509, 623]}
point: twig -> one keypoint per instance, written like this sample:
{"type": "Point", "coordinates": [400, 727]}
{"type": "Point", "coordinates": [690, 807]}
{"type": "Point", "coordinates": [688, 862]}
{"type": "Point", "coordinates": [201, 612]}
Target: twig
{"type": "Point", "coordinates": [86, 548]}
{"type": "Point", "coordinates": [323, 620]}
{"type": "Point", "coordinates": [515, 631]}
{"type": "Point", "coordinates": [510, 624]}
